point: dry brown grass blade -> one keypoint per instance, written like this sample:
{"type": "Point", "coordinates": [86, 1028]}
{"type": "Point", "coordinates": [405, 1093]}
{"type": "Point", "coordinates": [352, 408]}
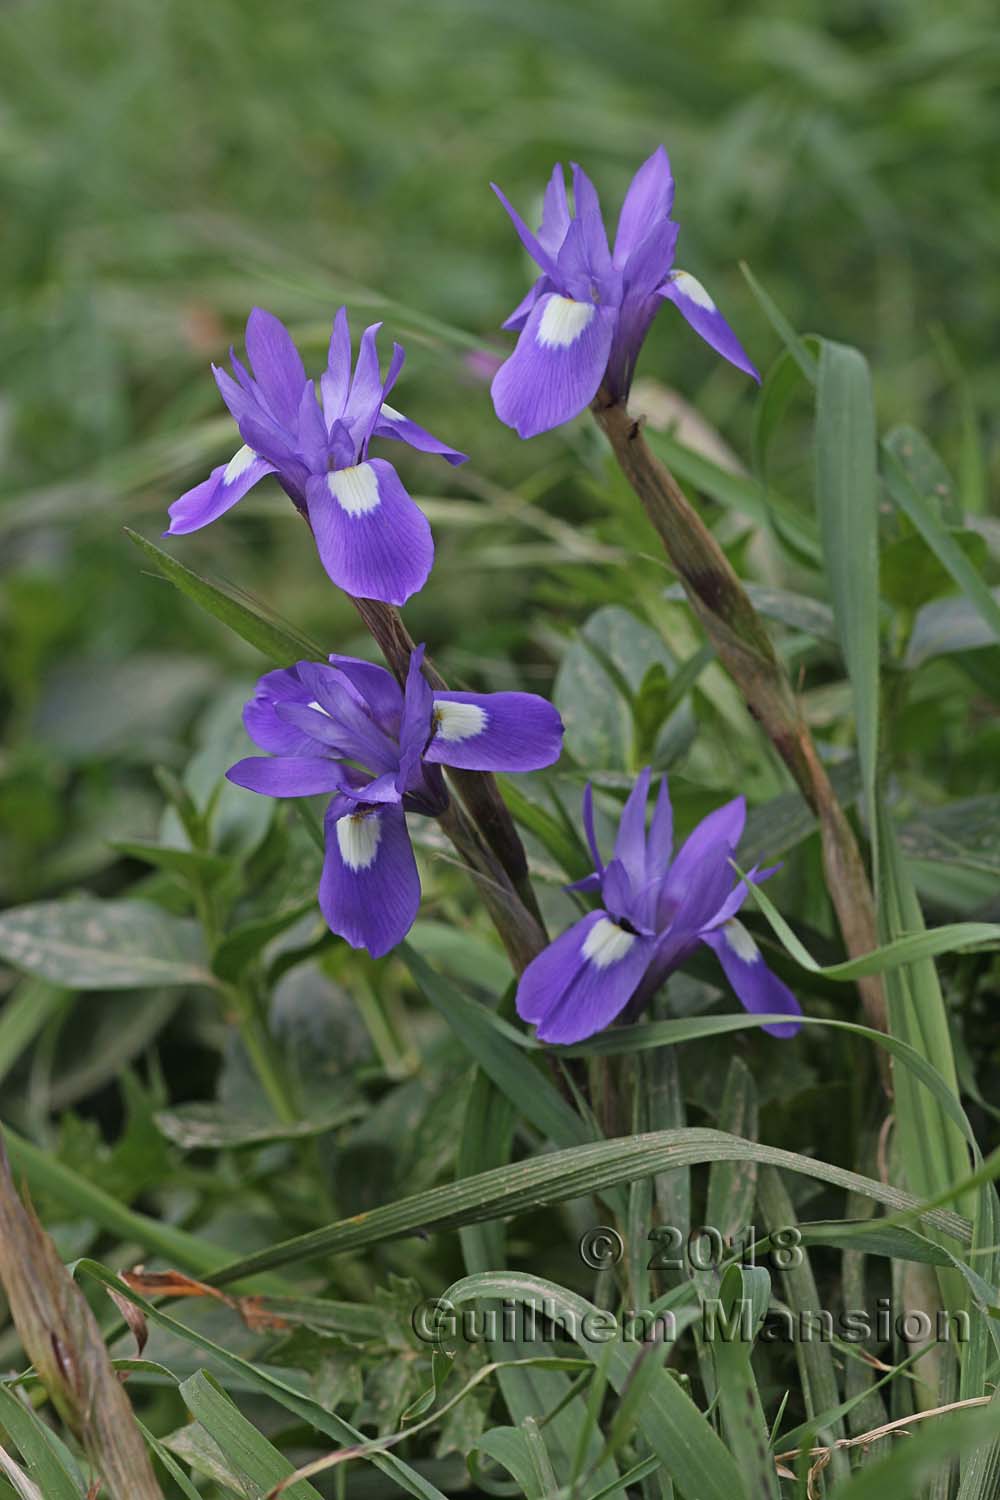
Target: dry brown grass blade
{"type": "Point", "coordinates": [252, 1310]}
{"type": "Point", "coordinates": [823, 1452]}
{"type": "Point", "coordinates": [63, 1341]}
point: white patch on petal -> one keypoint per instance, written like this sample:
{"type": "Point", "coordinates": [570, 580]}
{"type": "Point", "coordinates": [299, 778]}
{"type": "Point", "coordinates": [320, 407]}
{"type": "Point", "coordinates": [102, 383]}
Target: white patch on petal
{"type": "Point", "coordinates": [318, 707]}
{"type": "Point", "coordinates": [392, 413]}
{"type": "Point", "coordinates": [358, 836]}
{"type": "Point", "coordinates": [238, 464]}
{"type": "Point", "coordinates": [690, 287]}
{"type": "Point", "coordinates": [606, 943]}
{"type": "Point", "coordinates": [355, 490]}
{"type": "Point", "coordinates": [563, 321]}
{"type": "Point", "coordinates": [459, 721]}
{"type": "Point", "coordinates": [740, 941]}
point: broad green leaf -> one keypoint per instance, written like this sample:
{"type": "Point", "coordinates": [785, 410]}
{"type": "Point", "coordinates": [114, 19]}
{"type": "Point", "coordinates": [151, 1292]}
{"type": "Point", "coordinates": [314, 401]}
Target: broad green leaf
{"type": "Point", "coordinates": [87, 944]}
{"type": "Point", "coordinates": [45, 1174]}
{"type": "Point", "coordinates": [926, 471]}
{"type": "Point", "coordinates": [798, 611]}
{"type": "Point", "coordinates": [947, 626]}
{"type": "Point", "coordinates": [965, 833]}
{"type": "Point", "coordinates": [282, 643]}
{"type": "Point", "coordinates": [598, 679]}
{"type": "Point", "coordinates": [243, 944]}
{"type": "Point", "coordinates": [205, 1458]}
{"type": "Point", "coordinates": [207, 1126]}
{"type": "Point", "coordinates": [255, 1461]}
{"type": "Point", "coordinates": [509, 1446]}
{"type": "Point", "coordinates": [191, 864]}
{"type": "Point", "coordinates": [847, 502]}
{"type": "Point", "coordinates": [26, 1011]}
{"type": "Point", "coordinates": [941, 542]}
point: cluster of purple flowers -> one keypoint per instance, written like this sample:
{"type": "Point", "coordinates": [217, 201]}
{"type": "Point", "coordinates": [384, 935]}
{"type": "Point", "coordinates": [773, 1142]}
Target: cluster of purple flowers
{"type": "Point", "coordinates": [346, 728]}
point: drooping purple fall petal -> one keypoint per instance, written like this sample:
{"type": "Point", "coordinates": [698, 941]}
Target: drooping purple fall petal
{"type": "Point", "coordinates": [373, 540]}
{"type": "Point", "coordinates": [218, 493]}
{"type": "Point", "coordinates": [759, 990]}
{"type": "Point", "coordinates": [582, 981]}
{"type": "Point", "coordinates": [557, 366]}
{"type": "Point", "coordinates": [697, 307]}
{"type": "Point", "coordinates": [369, 891]}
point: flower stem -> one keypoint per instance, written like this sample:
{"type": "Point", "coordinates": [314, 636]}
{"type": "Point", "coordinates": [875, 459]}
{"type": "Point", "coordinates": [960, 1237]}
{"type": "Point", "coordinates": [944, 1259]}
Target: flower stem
{"type": "Point", "coordinates": [257, 1041]}
{"type": "Point", "coordinates": [743, 645]}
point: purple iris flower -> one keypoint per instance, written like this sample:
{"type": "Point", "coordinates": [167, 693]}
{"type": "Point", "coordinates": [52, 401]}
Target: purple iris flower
{"type": "Point", "coordinates": [348, 728]}
{"type": "Point", "coordinates": [584, 320]}
{"type": "Point", "coordinates": [374, 542]}
{"type": "Point", "coordinates": [656, 910]}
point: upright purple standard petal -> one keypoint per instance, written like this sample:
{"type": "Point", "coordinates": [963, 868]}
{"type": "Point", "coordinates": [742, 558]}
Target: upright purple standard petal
{"type": "Point", "coordinates": [373, 540]}
{"type": "Point", "coordinates": [539, 254]}
{"type": "Point", "coordinates": [263, 723]}
{"type": "Point", "coordinates": [649, 199]}
{"type": "Point", "coordinates": [757, 989]}
{"type": "Point", "coordinates": [556, 368]}
{"type": "Point", "coordinates": [555, 212]}
{"type": "Point", "coordinates": [370, 891]}
{"type": "Point", "coordinates": [217, 494]}
{"type": "Point", "coordinates": [335, 382]}
{"type": "Point", "coordinates": [494, 732]}
{"type": "Point", "coordinates": [277, 364]}
{"type": "Point", "coordinates": [378, 687]}
{"type": "Point", "coordinates": [582, 981]}
{"type": "Point", "coordinates": [697, 308]}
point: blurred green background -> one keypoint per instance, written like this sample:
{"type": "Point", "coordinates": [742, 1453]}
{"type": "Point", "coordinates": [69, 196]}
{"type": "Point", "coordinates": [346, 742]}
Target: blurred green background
{"type": "Point", "coordinates": [166, 165]}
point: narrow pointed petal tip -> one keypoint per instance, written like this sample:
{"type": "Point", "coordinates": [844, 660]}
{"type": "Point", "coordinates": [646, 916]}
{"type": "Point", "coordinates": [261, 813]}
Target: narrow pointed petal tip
{"type": "Point", "coordinates": [697, 307]}
{"type": "Point", "coordinates": [757, 988]}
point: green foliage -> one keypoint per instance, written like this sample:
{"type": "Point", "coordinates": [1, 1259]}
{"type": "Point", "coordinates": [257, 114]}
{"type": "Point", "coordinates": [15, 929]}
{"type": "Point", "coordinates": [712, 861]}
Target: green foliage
{"type": "Point", "coordinates": [195, 1074]}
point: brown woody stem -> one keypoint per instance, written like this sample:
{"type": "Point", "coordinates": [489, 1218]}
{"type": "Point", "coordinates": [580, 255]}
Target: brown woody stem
{"type": "Point", "coordinates": [744, 647]}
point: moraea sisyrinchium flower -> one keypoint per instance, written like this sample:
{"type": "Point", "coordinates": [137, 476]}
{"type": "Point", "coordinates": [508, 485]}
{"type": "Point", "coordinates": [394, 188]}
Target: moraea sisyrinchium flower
{"type": "Point", "coordinates": [348, 728]}
{"type": "Point", "coordinates": [656, 910]}
{"type": "Point", "coordinates": [584, 320]}
{"type": "Point", "coordinates": [373, 540]}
